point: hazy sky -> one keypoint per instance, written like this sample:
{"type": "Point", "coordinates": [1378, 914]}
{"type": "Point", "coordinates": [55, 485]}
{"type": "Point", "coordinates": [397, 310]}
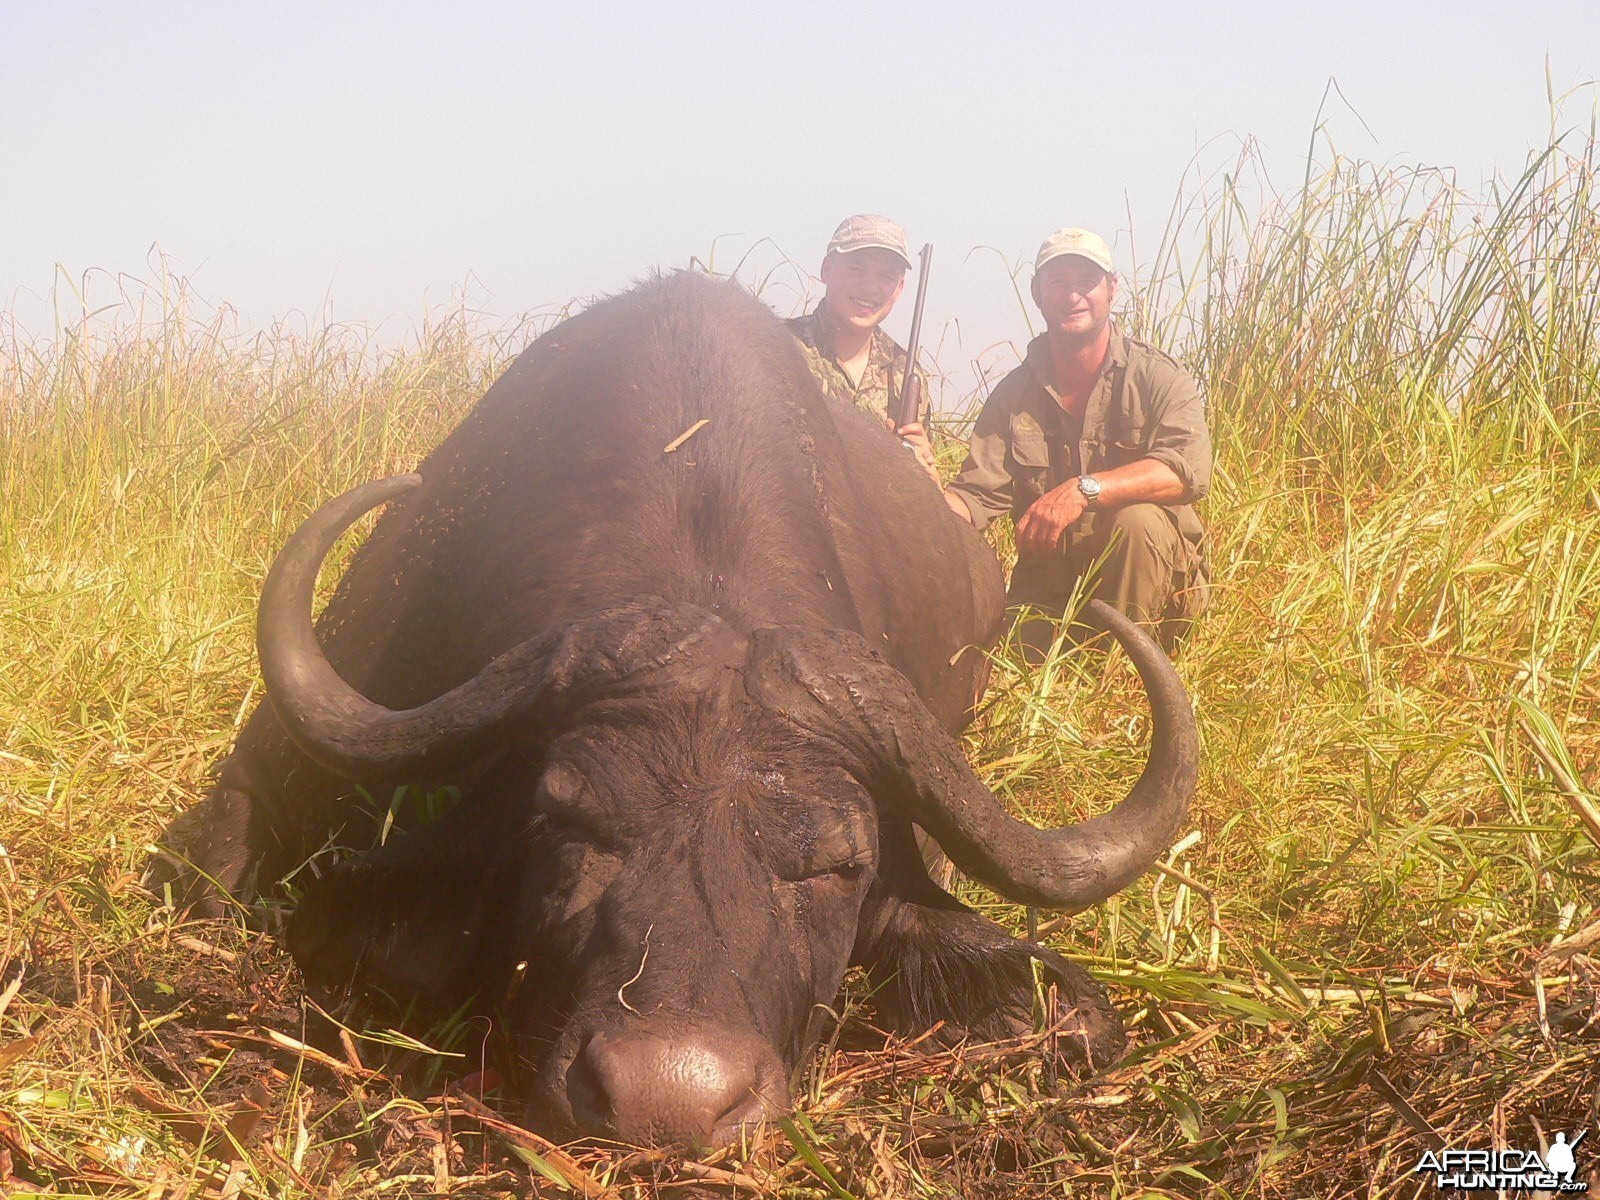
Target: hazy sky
{"type": "Point", "coordinates": [363, 161]}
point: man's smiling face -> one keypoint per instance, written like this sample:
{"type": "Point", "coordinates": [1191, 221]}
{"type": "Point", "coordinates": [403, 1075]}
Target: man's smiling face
{"type": "Point", "coordinates": [1074, 295]}
{"type": "Point", "coordinates": [862, 286]}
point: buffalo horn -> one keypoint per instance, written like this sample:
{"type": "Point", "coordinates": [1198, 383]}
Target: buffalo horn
{"type": "Point", "coordinates": [840, 690]}
{"type": "Point", "coordinates": [358, 738]}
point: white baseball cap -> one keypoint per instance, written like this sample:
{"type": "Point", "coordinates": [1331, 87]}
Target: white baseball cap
{"type": "Point", "coordinates": [1075, 241]}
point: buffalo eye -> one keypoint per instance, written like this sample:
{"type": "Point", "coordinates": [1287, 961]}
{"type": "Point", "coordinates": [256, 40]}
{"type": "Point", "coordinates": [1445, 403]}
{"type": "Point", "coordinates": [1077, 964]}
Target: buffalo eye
{"type": "Point", "coordinates": [843, 848]}
{"type": "Point", "coordinates": [852, 871]}
{"type": "Point", "coordinates": [564, 795]}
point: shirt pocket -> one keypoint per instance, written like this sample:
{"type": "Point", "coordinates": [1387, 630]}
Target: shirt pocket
{"type": "Point", "coordinates": [1127, 438]}
{"type": "Point", "coordinates": [1029, 453]}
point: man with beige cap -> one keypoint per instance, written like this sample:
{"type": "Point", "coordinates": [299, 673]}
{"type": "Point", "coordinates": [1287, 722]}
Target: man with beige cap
{"type": "Point", "coordinates": [1097, 446]}
{"type": "Point", "coordinates": [855, 361]}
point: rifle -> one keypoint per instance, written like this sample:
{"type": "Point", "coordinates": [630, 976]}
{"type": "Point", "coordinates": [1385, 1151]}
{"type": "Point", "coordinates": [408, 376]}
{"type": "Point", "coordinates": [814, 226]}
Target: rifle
{"type": "Point", "coordinates": [910, 405]}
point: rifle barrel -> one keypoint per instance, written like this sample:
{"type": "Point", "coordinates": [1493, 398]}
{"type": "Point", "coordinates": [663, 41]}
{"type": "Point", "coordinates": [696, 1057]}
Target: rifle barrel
{"type": "Point", "coordinates": [909, 412]}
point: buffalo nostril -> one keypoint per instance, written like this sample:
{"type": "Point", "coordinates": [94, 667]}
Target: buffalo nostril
{"type": "Point", "coordinates": [665, 1089]}
{"type": "Point", "coordinates": [748, 1110]}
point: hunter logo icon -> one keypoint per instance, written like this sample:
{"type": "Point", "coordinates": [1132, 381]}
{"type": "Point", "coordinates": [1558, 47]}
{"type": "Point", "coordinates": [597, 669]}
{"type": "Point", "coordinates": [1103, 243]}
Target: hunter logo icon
{"type": "Point", "coordinates": [1507, 1170]}
{"type": "Point", "coordinates": [1560, 1160]}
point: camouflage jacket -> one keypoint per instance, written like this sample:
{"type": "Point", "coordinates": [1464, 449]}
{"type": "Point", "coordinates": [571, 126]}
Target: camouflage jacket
{"type": "Point", "coordinates": [886, 364]}
{"type": "Point", "coordinates": [1144, 405]}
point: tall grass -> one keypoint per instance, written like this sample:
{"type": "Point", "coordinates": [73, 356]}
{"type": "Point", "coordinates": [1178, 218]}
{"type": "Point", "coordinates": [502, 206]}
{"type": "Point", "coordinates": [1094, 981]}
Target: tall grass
{"type": "Point", "coordinates": [1379, 930]}
{"type": "Point", "coordinates": [1380, 321]}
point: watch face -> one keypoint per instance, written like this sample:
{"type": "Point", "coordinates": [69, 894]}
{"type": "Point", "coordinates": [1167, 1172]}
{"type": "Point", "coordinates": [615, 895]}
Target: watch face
{"type": "Point", "coordinates": [1089, 486]}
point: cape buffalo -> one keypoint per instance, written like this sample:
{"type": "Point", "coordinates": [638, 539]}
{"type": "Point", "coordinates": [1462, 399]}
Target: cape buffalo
{"type": "Point", "coordinates": [696, 691]}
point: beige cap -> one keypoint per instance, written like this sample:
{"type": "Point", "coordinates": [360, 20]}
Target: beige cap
{"type": "Point", "coordinates": [868, 231]}
{"type": "Point", "coordinates": [1075, 241]}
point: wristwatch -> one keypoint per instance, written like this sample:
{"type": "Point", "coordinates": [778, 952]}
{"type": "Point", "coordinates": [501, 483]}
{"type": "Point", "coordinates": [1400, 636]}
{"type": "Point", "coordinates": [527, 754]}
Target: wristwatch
{"type": "Point", "coordinates": [1090, 487]}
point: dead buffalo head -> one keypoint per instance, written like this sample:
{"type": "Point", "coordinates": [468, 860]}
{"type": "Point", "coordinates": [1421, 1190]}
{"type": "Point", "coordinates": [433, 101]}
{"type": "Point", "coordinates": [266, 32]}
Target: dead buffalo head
{"type": "Point", "coordinates": [658, 874]}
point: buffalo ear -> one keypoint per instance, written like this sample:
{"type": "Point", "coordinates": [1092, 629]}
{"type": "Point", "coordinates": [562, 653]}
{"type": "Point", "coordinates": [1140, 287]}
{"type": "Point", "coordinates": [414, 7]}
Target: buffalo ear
{"type": "Point", "coordinates": [839, 689]}
{"type": "Point", "coordinates": [217, 854]}
{"type": "Point", "coordinates": [415, 922]}
{"type": "Point", "coordinates": [933, 963]}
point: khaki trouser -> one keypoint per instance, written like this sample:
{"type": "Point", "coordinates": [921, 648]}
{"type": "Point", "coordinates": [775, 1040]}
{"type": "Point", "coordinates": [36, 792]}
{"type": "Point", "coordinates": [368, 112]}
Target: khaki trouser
{"type": "Point", "coordinates": [1132, 558]}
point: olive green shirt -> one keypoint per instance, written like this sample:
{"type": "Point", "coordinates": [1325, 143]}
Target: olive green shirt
{"type": "Point", "coordinates": [885, 367]}
{"type": "Point", "coordinates": [1144, 405]}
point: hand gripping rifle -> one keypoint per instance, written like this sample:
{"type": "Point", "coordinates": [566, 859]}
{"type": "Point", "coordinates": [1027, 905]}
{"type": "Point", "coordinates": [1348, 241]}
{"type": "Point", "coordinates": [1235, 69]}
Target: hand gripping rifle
{"type": "Point", "coordinates": [909, 408]}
